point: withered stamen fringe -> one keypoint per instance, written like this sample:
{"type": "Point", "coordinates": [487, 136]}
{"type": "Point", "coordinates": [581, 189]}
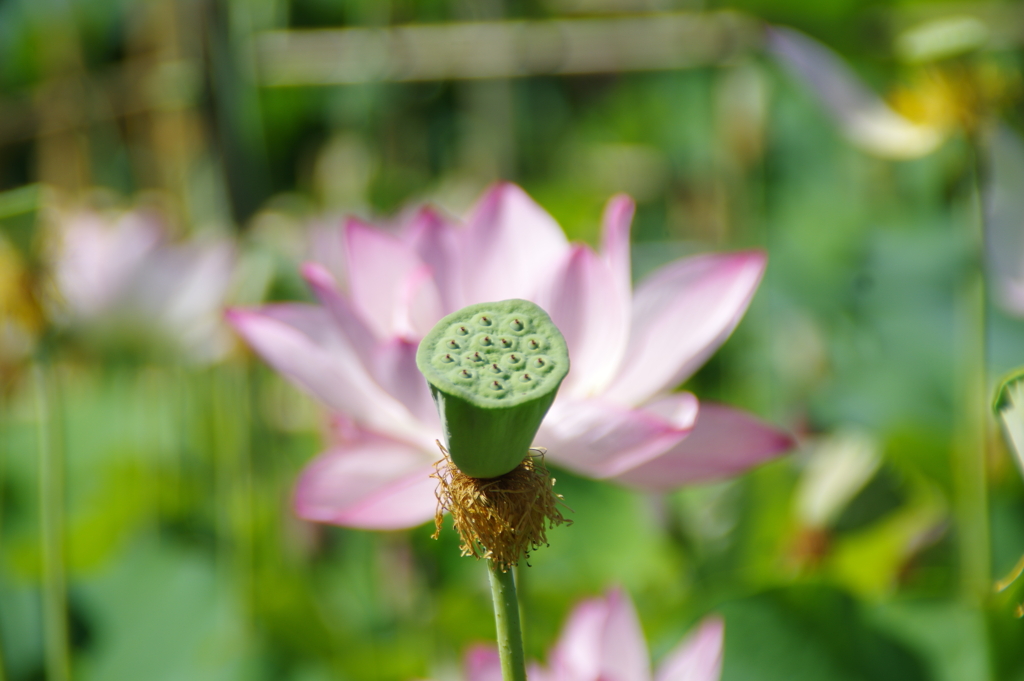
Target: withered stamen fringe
{"type": "Point", "coordinates": [502, 518]}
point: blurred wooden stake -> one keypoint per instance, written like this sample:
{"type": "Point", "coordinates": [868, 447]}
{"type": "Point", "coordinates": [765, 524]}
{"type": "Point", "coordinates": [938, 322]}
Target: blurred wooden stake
{"type": "Point", "coordinates": [504, 49]}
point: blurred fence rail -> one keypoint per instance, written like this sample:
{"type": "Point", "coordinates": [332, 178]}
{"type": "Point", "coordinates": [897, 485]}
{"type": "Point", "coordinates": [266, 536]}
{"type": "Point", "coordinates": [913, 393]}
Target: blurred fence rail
{"type": "Point", "coordinates": [503, 49]}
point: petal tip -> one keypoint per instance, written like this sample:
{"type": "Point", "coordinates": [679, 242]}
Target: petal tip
{"type": "Point", "coordinates": [316, 275]}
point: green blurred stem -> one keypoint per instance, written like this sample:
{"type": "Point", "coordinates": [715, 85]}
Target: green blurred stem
{"type": "Point", "coordinates": [51, 501]}
{"type": "Point", "coordinates": [3, 473]}
{"type": "Point", "coordinates": [506, 620]}
{"type": "Point", "coordinates": [970, 489]}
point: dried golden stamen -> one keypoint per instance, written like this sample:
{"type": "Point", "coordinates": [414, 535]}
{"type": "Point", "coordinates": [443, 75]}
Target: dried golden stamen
{"type": "Point", "coordinates": [501, 518]}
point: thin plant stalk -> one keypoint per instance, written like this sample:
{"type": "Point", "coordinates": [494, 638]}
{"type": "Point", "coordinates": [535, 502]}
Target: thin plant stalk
{"type": "Point", "coordinates": [970, 493]}
{"type": "Point", "coordinates": [3, 473]}
{"type": "Point", "coordinates": [506, 620]}
{"type": "Point", "coordinates": [51, 502]}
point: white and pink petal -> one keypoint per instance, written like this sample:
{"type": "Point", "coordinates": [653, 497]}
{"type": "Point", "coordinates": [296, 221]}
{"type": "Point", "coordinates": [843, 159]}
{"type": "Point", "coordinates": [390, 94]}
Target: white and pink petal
{"type": "Point", "coordinates": [681, 315]}
{"type": "Point", "coordinates": [509, 247]}
{"type": "Point", "coordinates": [587, 306]}
{"type": "Point", "coordinates": [301, 342]}
{"type": "Point", "coordinates": [602, 640]}
{"type": "Point", "coordinates": [601, 439]}
{"type": "Point", "coordinates": [723, 443]}
{"type": "Point", "coordinates": [615, 227]}
{"type": "Point", "coordinates": [436, 242]}
{"type": "Point", "coordinates": [386, 280]}
{"type": "Point", "coordinates": [348, 320]}
{"type": "Point", "coordinates": [698, 657]}
{"type": "Point", "coordinates": [372, 482]}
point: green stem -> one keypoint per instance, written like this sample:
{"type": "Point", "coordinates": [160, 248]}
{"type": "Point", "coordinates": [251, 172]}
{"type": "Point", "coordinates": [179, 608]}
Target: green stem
{"type": "Point", "coordinates": [970, 489]}
{"type": "Point", "coordinates": [506, 620]}
{"type": "Point", "coordinates": [51, 502]}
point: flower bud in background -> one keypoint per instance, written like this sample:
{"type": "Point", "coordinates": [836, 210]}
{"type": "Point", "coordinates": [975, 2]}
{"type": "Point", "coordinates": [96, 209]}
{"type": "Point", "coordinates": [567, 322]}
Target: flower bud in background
{"type": "Point", "coordinates": [118, 278]}
{"type": "Point", "coordinates": [602, 639]}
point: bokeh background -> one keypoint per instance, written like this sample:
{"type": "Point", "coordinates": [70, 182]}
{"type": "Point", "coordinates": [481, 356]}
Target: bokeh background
{"type": "Point", "coordinates": [147, 458]}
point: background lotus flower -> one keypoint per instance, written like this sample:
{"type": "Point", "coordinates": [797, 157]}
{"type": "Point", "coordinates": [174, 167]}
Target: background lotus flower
{"type": "Point", "coordinates": [615, 416]}
{"type": "Point", "coordinates": [1004, 218]}
{"type": "Point", "coordinates": [602, 640]}
{"type": "Point", "coordinates": [863, 117]}
{"type": "Point", "coordinates": [121, 274]}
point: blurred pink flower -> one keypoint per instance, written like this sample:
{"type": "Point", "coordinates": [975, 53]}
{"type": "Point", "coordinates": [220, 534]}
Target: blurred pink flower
{"type": "Point", "coordinates": [603, 641]}
{"type": "Point", "coordinates": [1004, 217]}
{"type": "Point", "coordinates": [863, 117]}
{"type": "Point", "coordinates": [615, 416]}
{"type": "Point", "coordinates": [120, 274]}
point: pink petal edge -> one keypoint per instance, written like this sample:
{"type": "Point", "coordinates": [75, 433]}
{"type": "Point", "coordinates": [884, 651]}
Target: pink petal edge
{"type": "Point", "coordinates": [602, 639]}
{"type": "Point", "coordinates": [301, 342]}
{"type": "Point", "coordinates": [681, 315]}
{"type": "Point", "coordinates": [509, 246]}
{"type": "Point", "coordinates": [724, 442]}
{"type": "Point", "coordinates": [602, 439]}
{"type": "Point", "coordinates": [586, 306]}
{"type": "Point", "coordinates": [698, 657]}
{"type": "Point", "coordinates": [373, 483]}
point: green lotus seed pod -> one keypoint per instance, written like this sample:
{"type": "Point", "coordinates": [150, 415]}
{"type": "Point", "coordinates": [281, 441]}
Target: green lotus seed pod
{"type": "Point", "coordinates": [493, 370]}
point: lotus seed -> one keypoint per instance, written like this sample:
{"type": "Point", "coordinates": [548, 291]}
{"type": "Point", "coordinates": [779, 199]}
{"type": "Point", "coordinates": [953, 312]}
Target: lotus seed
{"type": "Point", "coordinates": [462, 331]}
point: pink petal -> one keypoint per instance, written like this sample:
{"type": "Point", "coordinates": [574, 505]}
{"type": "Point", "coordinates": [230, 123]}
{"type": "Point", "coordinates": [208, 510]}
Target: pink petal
{"type": "Point", "coordinates": [509, 246]}
{"type": "Point", "coordinates": [601, 439]}
{"type": "Point", "coordinates": [96, 258]}
{"type": "Point", "coordinates": [436, 243]}
{"type": "Point", "coordinates": [372, 482]}
{"type": "Point", "coordinates": [724, 442]}
{"type": "Point", "coordinates": [394, 368]}
{"type": "Point", "coordinates": [482, 663]}
{"type": "Point", "coordinates": [602, 641]}
{"type": "Point", "coordinates": [326, 245]}
{"type": "Point", "coordinates": [681, 314]}
{"type": "Point", "coordinates": [183, 288]}
{"type": "Point", "coordinates": [385, 278]}
{"type": "Point", "coordinates": [419, 304]}
{"type": "Point", "coordinates": [302, 343]}
{"type": "Point", "coordinates": [348, 320]}
{"type": "Point", "coordinates": [1004, 213]}
{"type": "Point", "coordinates": [616, 222]}
{"type": "Point", "coordinates": [698, 657]}
{"type": "Point", "coordinates": [863, 117]}
{"type": "Point", "coordinates": [587, 307]}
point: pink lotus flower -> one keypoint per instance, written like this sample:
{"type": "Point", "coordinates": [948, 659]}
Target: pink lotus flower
{"type": "Point", "coordinates": [603, 641]}
{"type": "Point", "coordinates": [615, 416]}
{"type": "Point", "coordinates": [121, 274]}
